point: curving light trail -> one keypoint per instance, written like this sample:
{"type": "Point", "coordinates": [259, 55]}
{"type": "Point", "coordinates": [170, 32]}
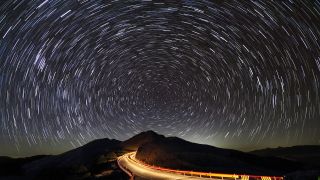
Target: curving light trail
{"type": "Point", "coordinates": [134, 167]}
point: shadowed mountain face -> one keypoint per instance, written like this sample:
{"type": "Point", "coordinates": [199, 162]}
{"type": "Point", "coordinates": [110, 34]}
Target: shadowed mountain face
{"type": "Point", "coordinates": [176, 153]}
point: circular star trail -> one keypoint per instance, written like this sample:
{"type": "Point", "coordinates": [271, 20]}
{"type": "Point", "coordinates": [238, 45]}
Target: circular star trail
{"type": "Point", "coordinates": [224, 73]}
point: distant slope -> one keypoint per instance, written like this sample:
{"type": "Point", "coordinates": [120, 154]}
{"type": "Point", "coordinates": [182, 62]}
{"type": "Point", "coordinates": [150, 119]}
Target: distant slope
{"type": "Point", "coordinates": [176, 153]}
{"type": "Point", "coordinates": [13, 166]}
{"type": "Point", "coordinates": [306, 154]}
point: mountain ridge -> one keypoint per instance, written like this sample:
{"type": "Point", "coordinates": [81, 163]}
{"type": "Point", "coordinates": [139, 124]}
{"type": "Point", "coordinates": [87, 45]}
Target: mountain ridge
{"type": "Point", "coordinates": [100, 156]}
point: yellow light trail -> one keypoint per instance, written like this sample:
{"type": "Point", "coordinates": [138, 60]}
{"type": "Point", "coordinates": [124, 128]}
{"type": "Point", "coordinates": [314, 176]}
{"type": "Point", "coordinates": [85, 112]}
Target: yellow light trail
{"type": "Point", "coordinates": [137, 167]}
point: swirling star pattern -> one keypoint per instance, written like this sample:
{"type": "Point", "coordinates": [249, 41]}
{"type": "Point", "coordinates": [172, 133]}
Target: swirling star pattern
{"type": "Point", "coordinates": [226, 73]}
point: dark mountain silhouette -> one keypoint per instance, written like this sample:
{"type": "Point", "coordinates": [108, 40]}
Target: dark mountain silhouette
{"type": "Point", "coordinates": [83, 162]}
{"type": "Point", "coordinates": [97, 160]}
{"type": "Point", "coordinates": [176, 153]}
{"type": "Point", "coordinates": [309, 154]}
{"type": "Point", "coordinates": [84, 155]}
{"type": "Point", "coordinates": [10, 166]}
{"type": "Point", "coordinates": [136, 141]}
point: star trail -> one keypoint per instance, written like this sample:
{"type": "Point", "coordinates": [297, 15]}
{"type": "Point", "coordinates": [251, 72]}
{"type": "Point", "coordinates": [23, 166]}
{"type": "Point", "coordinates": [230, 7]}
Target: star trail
{"type": "Point", "coordinates": [237, 74]}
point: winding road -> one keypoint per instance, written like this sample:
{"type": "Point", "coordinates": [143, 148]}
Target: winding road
{"type": "Point", "coordinates": [135, 168]}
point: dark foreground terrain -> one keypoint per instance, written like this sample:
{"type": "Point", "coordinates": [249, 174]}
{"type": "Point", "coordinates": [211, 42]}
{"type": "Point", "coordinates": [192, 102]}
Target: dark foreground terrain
{"type": "Point", "coordinates": [97, 160]}
{"type": "Point", "coordinates": [86, 162]}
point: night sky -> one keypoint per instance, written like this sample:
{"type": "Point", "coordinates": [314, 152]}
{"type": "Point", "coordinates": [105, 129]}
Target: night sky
{"type": "Point", "coordinates": [234, 74]}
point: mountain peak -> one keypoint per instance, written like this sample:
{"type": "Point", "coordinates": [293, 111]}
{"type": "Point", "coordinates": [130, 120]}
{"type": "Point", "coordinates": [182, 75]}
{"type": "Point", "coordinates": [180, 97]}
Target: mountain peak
{"type": "Point", "coordinates": [136, 141]}
{"type": "Point", "coordinates": [149, 132]}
